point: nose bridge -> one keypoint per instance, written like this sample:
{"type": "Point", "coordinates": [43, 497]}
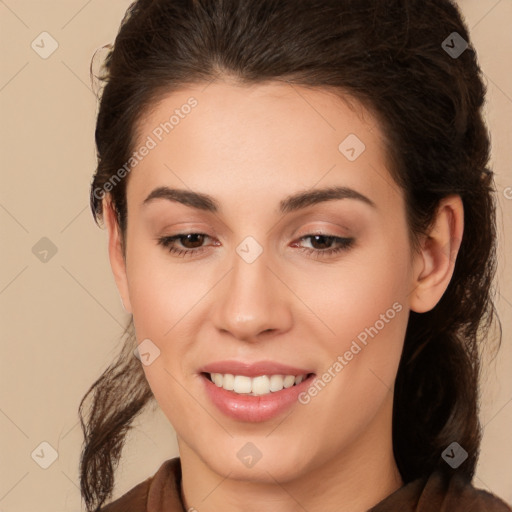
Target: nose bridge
{"type": "Point", "coordinates": [249, 302]}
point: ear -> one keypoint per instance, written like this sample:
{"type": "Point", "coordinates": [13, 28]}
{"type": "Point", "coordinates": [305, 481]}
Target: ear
{"type": "Point", "coordinates": [115, 252]}
{"type": "Point", "coordinates": [435, 261]}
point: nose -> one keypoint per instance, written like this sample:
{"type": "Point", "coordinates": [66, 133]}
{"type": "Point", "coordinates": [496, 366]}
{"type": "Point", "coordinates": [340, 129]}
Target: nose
{"type": "Point", "coordinates": [252, 301]}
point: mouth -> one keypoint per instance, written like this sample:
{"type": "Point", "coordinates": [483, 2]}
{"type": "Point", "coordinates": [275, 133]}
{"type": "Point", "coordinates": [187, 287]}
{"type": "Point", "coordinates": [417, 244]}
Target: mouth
{"type": "Point", "coordinates": [260, 385]}
{"type": "Point", "coordinates": [255, 398]}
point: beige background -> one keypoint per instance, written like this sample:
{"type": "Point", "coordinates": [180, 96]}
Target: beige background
{"type": "Point", "coordinates": [62, 320]}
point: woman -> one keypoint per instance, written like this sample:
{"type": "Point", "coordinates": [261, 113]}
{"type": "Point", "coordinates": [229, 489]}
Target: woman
{"type": "Point", "coordinates": [302, 225]}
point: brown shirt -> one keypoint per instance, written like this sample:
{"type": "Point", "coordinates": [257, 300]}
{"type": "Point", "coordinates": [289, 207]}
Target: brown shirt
{"type": "Point", "coordinates": [161, 493]}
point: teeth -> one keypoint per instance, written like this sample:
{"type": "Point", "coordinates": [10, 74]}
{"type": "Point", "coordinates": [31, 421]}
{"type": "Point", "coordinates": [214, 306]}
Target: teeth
{"type": "Point", "coordinates": [261, 385]}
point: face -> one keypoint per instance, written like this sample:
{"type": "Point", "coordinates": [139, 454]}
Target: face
{"type": "Point", "coordinates": [319, 284]}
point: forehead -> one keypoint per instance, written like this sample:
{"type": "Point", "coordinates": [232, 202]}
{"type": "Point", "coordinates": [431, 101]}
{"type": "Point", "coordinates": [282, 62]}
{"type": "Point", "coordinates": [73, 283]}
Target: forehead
{"type": "Point", "coordinates": [222, 135]}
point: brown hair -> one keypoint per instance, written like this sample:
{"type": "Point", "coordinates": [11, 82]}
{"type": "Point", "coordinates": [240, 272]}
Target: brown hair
{"type": "Point", "coordinates": [389, 56]}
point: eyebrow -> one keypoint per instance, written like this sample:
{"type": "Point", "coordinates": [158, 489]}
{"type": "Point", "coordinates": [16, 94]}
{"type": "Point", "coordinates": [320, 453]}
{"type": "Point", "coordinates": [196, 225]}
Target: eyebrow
{"type": "Point", "coordinates": [291, 203]}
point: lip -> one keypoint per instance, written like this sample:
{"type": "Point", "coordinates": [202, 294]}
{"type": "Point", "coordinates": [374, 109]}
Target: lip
{"type": "Point", "coordinates": [253, 369]}
{"type": "Point", "coordinates": [249, 408]}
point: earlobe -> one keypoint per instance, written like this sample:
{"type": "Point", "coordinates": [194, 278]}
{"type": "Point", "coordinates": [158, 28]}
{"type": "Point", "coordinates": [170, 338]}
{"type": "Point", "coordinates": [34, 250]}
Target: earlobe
{"type": "Point", "coordinates": [435, 262]}
{"type": "Point", "coordinates": [116, 256]}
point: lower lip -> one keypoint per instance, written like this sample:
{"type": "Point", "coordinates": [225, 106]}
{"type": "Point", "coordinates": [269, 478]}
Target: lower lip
{"type": "Point", "coordinates": [251, 408]}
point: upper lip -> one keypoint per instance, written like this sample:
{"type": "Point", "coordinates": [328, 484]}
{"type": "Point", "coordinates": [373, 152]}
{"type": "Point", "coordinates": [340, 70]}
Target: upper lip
{"type": "Point", "coordinates": [253, 369]}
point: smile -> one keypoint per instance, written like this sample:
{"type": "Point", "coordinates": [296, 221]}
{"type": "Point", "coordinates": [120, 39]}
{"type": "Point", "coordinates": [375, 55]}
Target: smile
{"type": "Point", "coordinates": [255, 386]}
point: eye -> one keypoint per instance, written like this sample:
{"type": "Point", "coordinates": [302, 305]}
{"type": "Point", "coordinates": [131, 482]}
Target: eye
{"type": "Point", "coordinates": [191, 241]}
{"type": "Point", "coordinates": [323, 240]}
{"type": "Point", "coordinates": [192, 244]}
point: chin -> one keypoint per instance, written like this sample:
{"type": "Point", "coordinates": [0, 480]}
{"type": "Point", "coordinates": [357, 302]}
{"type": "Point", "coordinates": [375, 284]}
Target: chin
{"type": "Point", "coordinates": [257, 460]}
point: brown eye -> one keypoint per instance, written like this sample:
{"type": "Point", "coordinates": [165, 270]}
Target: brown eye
{"type": "Point", "coordinates": [321, 241]}
{"type": "Point", "coordinates": [322, 245]}
{"type": "Point", "coordinates": [189, 243]}
{"type": "Point", "coordinates": [192, 240]}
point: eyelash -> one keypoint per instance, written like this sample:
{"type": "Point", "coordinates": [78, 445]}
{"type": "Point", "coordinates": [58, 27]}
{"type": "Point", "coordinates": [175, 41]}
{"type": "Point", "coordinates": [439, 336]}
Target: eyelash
{"type": "Point", "coordinates": [345, 244]}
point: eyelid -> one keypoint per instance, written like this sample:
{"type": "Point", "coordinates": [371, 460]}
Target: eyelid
{"type": "Point", "coordinates": [339, 230]}
{"type": "Point", "coordinates": [325, 231]}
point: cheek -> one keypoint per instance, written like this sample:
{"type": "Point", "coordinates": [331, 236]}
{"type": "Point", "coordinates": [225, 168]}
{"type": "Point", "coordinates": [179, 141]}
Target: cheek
{"type": "Point", "coordinates": [352, 294]}
{"type": "Point", "coordinates": [167, 301]}
{"type": "Point", "coordinates": [369, 319]}
{"type": "Point", "coordinates": [161, 292]}
{"type": "Point", "coordinates": [364, 304]}
{"type": "Point", "coordinates": [178, 399]}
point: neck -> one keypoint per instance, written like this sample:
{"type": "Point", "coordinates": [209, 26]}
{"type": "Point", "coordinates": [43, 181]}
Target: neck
{"type": "Point", "coordinates": [354, 480]}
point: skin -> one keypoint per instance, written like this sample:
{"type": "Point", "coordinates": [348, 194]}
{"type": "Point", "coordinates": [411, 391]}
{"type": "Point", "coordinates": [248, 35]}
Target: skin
{"type": "Point", "coordinates": [249, 148]}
